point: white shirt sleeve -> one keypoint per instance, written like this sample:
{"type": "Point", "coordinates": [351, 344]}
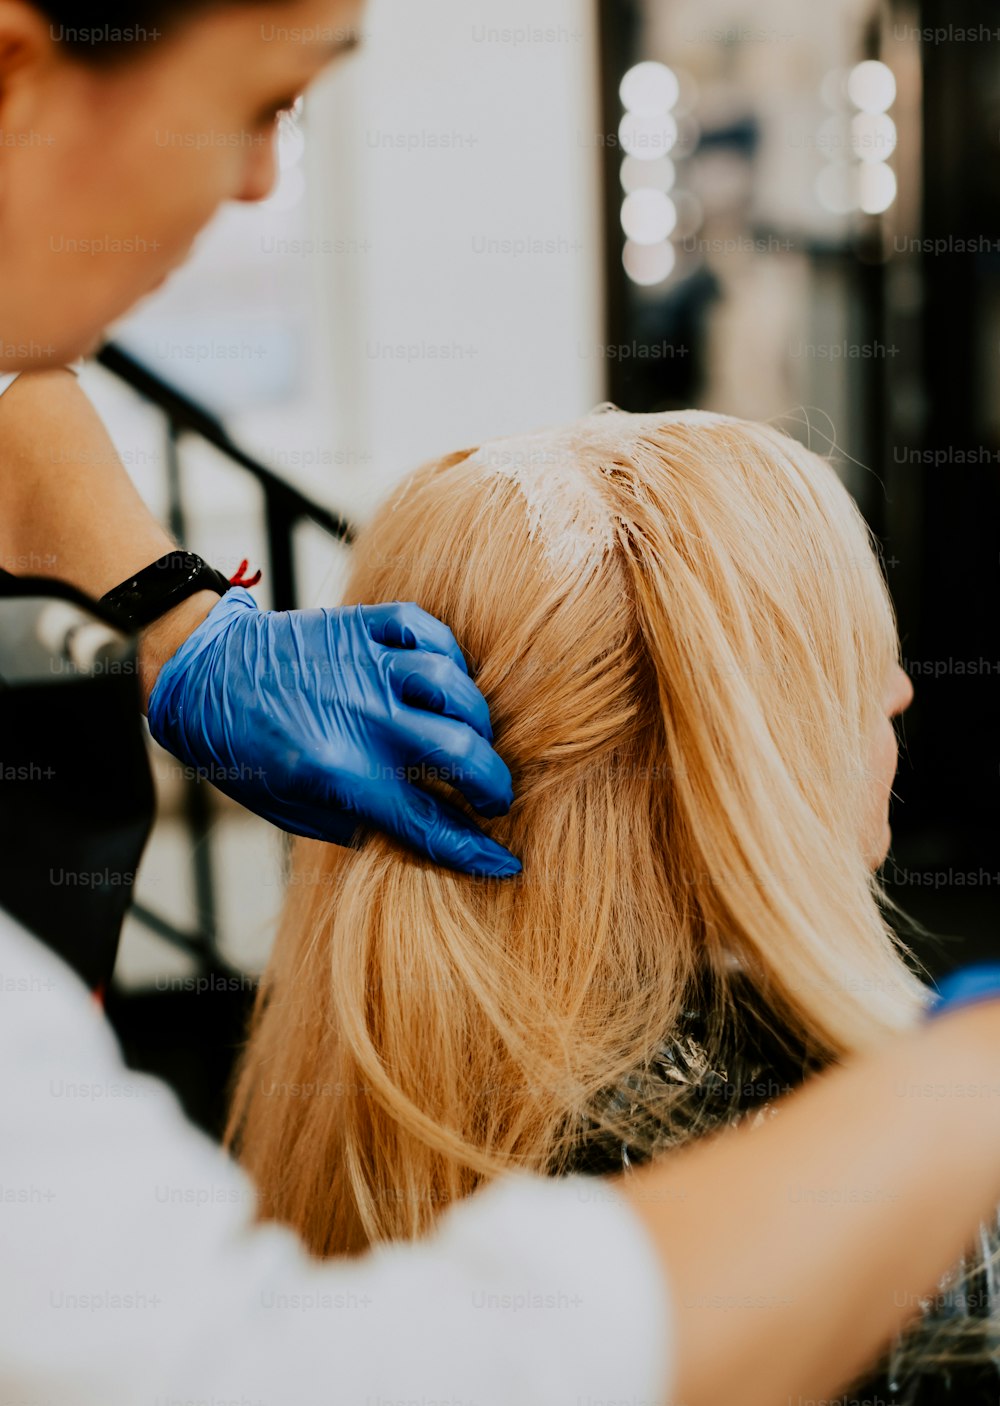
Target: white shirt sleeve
{"type": "Point", "coordinates": [131, 1271]}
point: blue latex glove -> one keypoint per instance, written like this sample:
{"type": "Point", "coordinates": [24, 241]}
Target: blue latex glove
{"type": "Point", "coordinates": [961, 988]}
{"type": "Point", "coordinates": [311, 718]}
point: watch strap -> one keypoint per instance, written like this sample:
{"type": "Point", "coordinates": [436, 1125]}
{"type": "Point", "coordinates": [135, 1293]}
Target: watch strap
{"type": "Point", "coordinates": [160, 586]}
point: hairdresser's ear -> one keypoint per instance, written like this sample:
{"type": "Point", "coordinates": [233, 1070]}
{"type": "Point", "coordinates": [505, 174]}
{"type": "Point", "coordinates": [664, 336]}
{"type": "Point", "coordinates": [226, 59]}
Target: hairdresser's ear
{"type": "Point", "coordinates": [27, 53]}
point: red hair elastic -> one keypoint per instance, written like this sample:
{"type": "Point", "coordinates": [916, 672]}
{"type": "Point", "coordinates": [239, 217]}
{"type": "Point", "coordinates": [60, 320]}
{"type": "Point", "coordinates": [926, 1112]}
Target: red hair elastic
{"type": "Point", "coordinates": [238, 579]}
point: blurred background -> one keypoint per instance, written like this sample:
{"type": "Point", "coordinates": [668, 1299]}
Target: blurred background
{"type": "Point", "coordinates": [503, 212]}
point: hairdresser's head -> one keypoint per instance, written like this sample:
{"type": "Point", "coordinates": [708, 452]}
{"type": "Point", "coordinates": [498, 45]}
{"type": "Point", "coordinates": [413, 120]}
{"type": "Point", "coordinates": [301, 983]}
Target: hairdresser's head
{"type": "Point", "coordinates": [123, 127]}
{"type": "Point", "coordinates": [690, 656]}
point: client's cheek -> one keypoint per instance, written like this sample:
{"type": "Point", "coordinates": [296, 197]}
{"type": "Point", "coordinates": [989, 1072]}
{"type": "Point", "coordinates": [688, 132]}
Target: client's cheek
{"type": "Point", "coordinates": [884, 761]}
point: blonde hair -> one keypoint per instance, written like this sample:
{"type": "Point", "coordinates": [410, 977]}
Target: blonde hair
{"type": "Point", "coordinates": [683, 633]}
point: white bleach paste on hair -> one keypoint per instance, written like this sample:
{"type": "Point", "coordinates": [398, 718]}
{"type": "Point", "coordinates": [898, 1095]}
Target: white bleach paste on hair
{"type": "Point", "coordinates": [566, 511]}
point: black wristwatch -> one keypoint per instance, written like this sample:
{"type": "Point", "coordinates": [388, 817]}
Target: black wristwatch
{"type": "Point", "coordinates": [159, 587]}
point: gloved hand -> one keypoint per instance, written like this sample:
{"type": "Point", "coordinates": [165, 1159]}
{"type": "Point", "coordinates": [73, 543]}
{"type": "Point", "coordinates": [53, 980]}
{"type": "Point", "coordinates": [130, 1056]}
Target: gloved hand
{"type": "Point", "coordinates": [311, 718]}
{"type": "Point", "coordinates": [976, 983]}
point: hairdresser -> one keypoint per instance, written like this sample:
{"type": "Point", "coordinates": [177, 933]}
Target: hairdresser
{"type": "Point", "coordinates": [130, 1266]}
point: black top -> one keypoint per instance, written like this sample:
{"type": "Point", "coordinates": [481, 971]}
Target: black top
{"type": "Point", "coordinates": [76, 793]}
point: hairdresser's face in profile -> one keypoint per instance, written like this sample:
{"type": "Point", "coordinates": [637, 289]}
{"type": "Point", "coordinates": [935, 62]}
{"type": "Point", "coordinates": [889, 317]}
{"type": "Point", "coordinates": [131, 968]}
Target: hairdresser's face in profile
{"type": "Point", "coordinates": [107, 174]}
{"type": "Point", "coordinates": [885, 756]}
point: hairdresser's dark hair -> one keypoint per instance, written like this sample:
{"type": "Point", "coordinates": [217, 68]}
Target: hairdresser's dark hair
{"type": "Point", "coordinates": [118, 29]}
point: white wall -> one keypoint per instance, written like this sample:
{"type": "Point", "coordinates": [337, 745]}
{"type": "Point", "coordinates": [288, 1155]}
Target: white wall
{"type": "Point", "coordinates": [462, 124]}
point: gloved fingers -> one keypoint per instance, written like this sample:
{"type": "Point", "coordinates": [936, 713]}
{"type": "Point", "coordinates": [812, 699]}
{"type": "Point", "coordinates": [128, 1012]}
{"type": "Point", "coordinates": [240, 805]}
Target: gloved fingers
{"type": "Point", "coordinates": [439, 831]}
{"type": "Point", "coordinates": [405, 625]}
{"type": "Point", "coordinates": [296, 816]}
{"type": "Point", "coordinates": [451, 751]}
{"type": "Point", "coordinates": [428, 825]}
{"type": "Point", "coordinates": [432, 682]}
